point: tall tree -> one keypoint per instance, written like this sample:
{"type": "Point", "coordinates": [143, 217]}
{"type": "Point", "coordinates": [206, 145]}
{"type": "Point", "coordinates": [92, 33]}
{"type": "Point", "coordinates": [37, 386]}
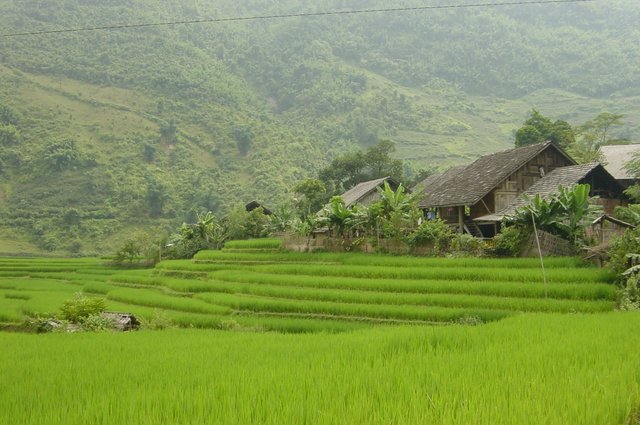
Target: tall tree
{"type": "Point", "coordinates": [348, 170]}
{"type": "Point", "coordinates": [538, 128]}
{"type": "Point", "coordinates": [593, 134]}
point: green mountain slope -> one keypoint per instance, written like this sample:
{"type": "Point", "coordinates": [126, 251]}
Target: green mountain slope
{"type": "Point", "coordinates": [113, 130]}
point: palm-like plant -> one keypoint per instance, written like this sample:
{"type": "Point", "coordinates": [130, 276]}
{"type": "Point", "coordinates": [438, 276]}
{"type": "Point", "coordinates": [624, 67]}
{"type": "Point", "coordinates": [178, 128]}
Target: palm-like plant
{"type": "Point", "coordinates": [396, 211]}
{"type": "Point", "coordinates": [564, 214]}
{"type": "Point", "coordinates": [338, 214]}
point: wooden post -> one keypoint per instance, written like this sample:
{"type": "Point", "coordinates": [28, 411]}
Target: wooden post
{"type": "Point", "coordinates": [461, 219]}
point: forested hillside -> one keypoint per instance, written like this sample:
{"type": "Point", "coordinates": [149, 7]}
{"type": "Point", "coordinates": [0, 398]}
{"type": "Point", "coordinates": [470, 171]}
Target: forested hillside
{"type": "Point", "coordinates": [105, 131]}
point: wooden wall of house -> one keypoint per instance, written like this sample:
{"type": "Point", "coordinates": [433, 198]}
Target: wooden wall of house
{"type": "Point", "coordinates": [370, 198]}
{"type": "Point", "coordinates": [522, 179]}
{"type": "Point", "coordinates": [449, 214]}
{"type": "Point", "coordinates": [609, 205]}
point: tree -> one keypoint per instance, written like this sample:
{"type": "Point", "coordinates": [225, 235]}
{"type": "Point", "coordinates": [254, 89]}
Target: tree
{"type": "Point", "coordinates": [396, 213]}
{"type": "Point", "coordinates": [61, 154]}
{"type": "Point", "coordinates": [528, 135]}
{"type": "Point", "coordinates": [208, 232]}
{"type": "Point", "coordinates": [343, 172]}
{"type": "Point", "coordinates": [8, 115]}
{"type": "Point", "coordinates": [564, 214]}
{"type": "Point", "coordinates": [244, 138]}
{"type": "Point", "coordinates": [348, 170]}
{"type": "Point", "coordinates": [9, 135]}
{"type": "Point", "coordinates": [538, 128]}
{"type": "Point", "coordinates": [338, 214]}
{"type": "Point", "coordinates": [380, 163]}
{"type": "Point", "coordinates": [592, 135]}
{"type": "Point", "coordinates": [598, 129]}
{"type": "Point", "coordinates": [311, 196]}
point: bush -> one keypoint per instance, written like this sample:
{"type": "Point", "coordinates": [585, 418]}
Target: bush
{"type": "Point", "coordinates": [78, 309]}
{"type": "Point", "coordinates": [96, 323]}
{"type": "Point", "coordinates": [464, 245]}
{"type": "Point", "coordinates": [142, 249]}
{"type": "Point", "coordinates": [44, 324]}
{"type": "Point", "coordinates": [158, 321]}
{"type": "Point", "coordinates": [621, 246]}
{"type": "Point", "coordinates": [435, 232]}
{"type": "Point", "coordinates": [509, 242]}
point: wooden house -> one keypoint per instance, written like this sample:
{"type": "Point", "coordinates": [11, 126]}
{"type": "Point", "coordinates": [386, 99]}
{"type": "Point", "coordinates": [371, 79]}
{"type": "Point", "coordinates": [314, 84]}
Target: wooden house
{"type": "Point", "coordinates": [366, 193]}
{"type": "Point", "coordinates": [122, 321]}
{"type": "Point", "coordinates": [607, 190]}
{"type": "Point", "coordinates": [606, 228]}
{"type": "Point", "coordinates": [488, 185]}
{"type": "Point", "coordinates": [615, 157]}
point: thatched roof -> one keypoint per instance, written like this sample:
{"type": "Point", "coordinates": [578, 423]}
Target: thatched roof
{"type": "Point", "coordinates": [547, 186]}
{"type": "Point", "coordinates": [616, 156]}
{"type": "Point", "coordinates": [359, 191]}
{"type": "Point", "coordinates": [468, 185]}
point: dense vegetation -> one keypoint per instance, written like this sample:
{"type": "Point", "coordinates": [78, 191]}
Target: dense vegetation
{"type": "Point", "coordinates": [103, 131]}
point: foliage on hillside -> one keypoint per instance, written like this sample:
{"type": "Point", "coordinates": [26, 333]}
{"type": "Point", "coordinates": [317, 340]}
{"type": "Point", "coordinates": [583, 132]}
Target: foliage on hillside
{"type": "Point", "coordinates": [102, 131]}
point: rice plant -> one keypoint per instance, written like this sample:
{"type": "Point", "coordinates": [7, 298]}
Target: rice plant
{"type": "Point", "coordinates": [526, 370]}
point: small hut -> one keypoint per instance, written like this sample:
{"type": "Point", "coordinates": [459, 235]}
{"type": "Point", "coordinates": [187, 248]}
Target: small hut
{"type": "Point", "coordinates": [366, 193]}
{"type": "Point", "coordinates": [122, 321]}
{"type": "Point", "coordinates": [605, 228]}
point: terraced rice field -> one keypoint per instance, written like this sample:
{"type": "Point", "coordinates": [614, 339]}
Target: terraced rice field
{"type": "Point", "coordinates": [252, 284]}
{"type": "Point", "coordinates": [365, 352]}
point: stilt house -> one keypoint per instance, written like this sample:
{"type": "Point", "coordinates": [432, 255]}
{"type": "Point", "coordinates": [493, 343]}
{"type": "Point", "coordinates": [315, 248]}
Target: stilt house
{"type": "Point", "coordinates": [604, 187]}
{"type": "Point", "coordinates": [488, 185]}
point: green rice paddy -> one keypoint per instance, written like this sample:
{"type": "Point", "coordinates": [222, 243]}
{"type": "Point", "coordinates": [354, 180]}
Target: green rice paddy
{"type": "Point", "coordinates": [271, 337]}
{"type": "Point", "coordinates": [257, 284]}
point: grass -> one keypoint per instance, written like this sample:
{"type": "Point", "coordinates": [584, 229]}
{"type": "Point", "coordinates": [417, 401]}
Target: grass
{"type": "Point", "coordinates": [268, 290]}
{"type": "Point", "coordinates": [403, 298]}
{"type": "Point", "coordinates": [586, 291]}
{"type": "Point", "coordinates": [530, 369]}
{"type": "Point", "coordinates": [254, 244]}
{"type": "Point", "coordinates": [323, 339]}
{"type": "Point", "coordinates": [386, 260]}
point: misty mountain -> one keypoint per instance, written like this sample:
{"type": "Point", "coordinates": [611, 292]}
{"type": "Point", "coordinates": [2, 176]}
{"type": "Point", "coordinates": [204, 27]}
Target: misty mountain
{"type": "Point", "coordinates": [106, 131]}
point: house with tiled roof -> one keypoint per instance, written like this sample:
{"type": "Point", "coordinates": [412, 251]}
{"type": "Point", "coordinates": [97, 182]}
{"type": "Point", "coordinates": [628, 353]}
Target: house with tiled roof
{"type": "Point", "coordinates": [615, 157]}
{"type": "Point", "coordinates": [488, 185]}
{"type": "Point", "coordinates": [607, 190]}
{"type": "Point", "coordinates": [366, 193]}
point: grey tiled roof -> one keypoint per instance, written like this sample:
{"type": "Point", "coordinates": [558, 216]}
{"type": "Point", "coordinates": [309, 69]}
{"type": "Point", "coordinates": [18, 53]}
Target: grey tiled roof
{"type": "Point", "coordinates": [467, 185]}
{"type": "Point", "coordinates": [616, 156]}
{"type": "Point", "coordinates": [359, 191]}
{"type": "Point", "coordinates": [546, 187]}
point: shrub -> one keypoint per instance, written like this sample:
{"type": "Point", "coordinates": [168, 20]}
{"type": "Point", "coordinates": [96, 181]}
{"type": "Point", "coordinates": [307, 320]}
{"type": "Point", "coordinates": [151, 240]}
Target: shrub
{"type": "Point", "coordinates": [435, 232]}
{"type": "Point", "coordinates": [509, 242]}
{"type": "Point", "coordinates": [78, 309]}
{"type": "Point", "coordinates": [621, 246]}
{"type": "Point", "coordinates": [629, 295]}
{"type": "Point", "coordinates": [44, 324]}
{"type": "Point", "coordinates": [96, 323]}
{"type": "Point", "coordinates": [158, 321]}
{"type": "Point", "coordinates": [466, 245]}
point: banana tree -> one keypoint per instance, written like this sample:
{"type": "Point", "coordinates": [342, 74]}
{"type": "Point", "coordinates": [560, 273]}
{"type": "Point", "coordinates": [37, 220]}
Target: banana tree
{"type": "Point", "coordinates": [338, 214]}
{"type": "Point", "coordinates": [564, 214]}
